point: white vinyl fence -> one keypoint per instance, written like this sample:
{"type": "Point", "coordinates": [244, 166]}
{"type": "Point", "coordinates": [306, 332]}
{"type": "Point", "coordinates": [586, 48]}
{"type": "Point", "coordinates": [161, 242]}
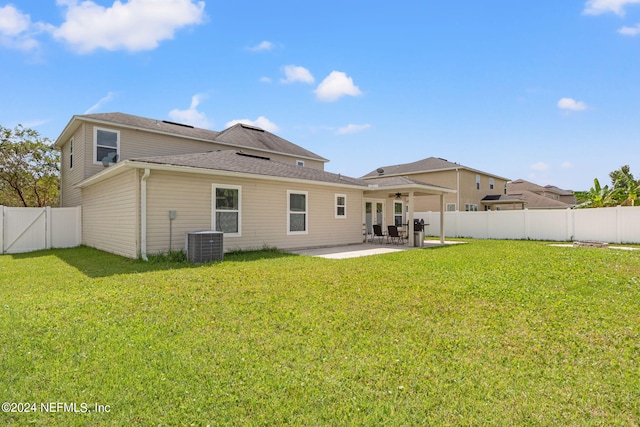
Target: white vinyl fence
{"type": "Point", "coordinates": [32, 229]}
{"type": "Point", "coordinates": [612, 225]}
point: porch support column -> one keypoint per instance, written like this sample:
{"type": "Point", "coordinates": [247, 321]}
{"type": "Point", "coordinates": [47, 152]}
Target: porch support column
{"type": "Point", "coordinates": [442, 219]}
{"type": "Point", "coordinates": [410, 240]}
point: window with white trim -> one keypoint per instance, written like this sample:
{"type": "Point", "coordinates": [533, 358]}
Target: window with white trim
{"type": "Point", "coordinates": [505, 188]}
{"type": "Point", "coordinates": [398, 214]}
{"type": "Point", "coordinates": [470, 207]}
{"type": "Point", "coordinates": [71, 154]}
{"type": "Point", "coordinates": [299, 162]}
{"type": "Point", "coordinates": [297, 217]}
{"type": "Point", "coordinates": [451, 207]}
{"type": "Point", "coordinates": [477, 182]}
{"type": "Point", "coordinates": [341, 206]}
{"type": "Point", "coordinates": [491, 183]}
{"type": "Point", "coordinates": [106, 145]}
{"type": "Point", "coordinates": [227, 209]}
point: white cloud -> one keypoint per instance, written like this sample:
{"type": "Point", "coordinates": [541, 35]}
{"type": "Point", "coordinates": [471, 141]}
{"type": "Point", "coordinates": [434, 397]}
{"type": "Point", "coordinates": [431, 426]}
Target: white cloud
{"type": "Point", "coordinates": [351, 128]}
{"type": "Point", "coordinates": [261, 122]}
{"type": "Point", "coordinates": [540, 166]}
{"type": "Point", "coordinates": [262, 46]}
{"type": "Point", "coordinates": [265, 79]}
{"type": "Point", "coordinates": [566, 165]}
{"type": "Point", "coordinates": [297, 74]}
{"type": "Point", "coordinates": [100, 103]}
{"type": "Point", "coordinates": [630, 31]}
{"type": "Point", "coordinates": [598, 7]}
{"type": "Point", "coordinates": [134, 25]}
{"type": "Point", "coordinates": [571, 104]}
{"type": "Point", "coordinates": [191, 116]}
{"type": "Point", "coordinates": [336, 85]}
{"type": "Point", "coordinates": [17, 31]}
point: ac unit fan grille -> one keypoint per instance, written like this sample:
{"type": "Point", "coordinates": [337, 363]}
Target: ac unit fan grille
{"type": "Point", "coordinates": [204, 246]}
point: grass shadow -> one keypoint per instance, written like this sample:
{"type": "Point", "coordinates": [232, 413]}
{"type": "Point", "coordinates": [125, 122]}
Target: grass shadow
{"type": "Point", "coordinates": [96, 263]}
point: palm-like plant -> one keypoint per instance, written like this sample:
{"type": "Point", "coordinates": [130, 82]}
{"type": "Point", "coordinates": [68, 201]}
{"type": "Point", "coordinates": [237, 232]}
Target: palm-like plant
{"type": "Point", "coordinates": [600, 197]}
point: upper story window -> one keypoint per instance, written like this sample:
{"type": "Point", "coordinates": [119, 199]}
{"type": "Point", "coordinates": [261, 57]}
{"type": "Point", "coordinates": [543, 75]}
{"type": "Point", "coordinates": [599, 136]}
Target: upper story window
{"type": "Point", "coordinates": [106, 145]}
{"type": "Point", "coordinates": [491, 183]}
{"type": "Point", "coordinates": [477, 182]}
{"type": "Point", "coordinates": [297, 218]}
{"type": "Point", "coordinates": [505, 188]}
{"type": "Point", "coordinates": [299, 162]}
{"type": "Point", "coordinates": [71, 154]}
{"type": "Point", "coordinates": [341, 205]}
{"type": "Point", "coordinates": [227, 209]}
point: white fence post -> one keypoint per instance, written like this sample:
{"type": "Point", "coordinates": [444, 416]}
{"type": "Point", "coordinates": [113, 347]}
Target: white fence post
{"type": "Point", "coordinates": [1, 230]}
{"type": "Point", "coordinates": [48, 230]}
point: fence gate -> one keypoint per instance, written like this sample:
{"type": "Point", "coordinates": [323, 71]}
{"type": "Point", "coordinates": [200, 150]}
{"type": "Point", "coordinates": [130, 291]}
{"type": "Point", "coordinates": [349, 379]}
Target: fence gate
{"type": "Point", "coordinates": [32, 229]}
{"type": "Point", "coordinates": [24, 229]}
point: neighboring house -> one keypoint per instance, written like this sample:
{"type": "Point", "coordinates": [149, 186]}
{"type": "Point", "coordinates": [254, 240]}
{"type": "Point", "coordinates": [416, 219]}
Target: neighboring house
{"type": "Point", "coordinates": [128, 173]}
{"type": "Point", "coordinates": [475, 190]}
{"type": "Point", "coordinates": [539, 197]}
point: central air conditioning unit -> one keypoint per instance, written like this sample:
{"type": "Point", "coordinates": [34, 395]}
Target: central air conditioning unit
{"type": "Point", "coordinates": [204, 246]}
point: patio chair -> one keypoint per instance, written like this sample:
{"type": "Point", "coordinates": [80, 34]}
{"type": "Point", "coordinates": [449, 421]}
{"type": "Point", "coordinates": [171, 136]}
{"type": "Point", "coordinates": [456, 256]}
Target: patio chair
{"type": "Point", "coordinates": [377, 233]}
{"type": "Point", "coordinates": [394, 236]}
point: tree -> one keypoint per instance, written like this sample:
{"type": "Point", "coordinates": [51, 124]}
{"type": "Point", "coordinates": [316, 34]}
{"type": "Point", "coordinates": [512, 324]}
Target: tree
{"type": "Point", "coordinates": [628, 187]}
{"type": "Point", "coordinates": [29, 168]}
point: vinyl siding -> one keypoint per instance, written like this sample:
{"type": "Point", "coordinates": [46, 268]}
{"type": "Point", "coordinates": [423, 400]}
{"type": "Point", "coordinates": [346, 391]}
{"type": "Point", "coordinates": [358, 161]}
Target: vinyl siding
{"type": "Point", "coordinates": [264, 212]}
{"type": "Point", "coordinates": [139, 143]}
{"type": "Point", "coordinates": [110, 214]}
{"type": "Point", "coordinates": [71, 196]}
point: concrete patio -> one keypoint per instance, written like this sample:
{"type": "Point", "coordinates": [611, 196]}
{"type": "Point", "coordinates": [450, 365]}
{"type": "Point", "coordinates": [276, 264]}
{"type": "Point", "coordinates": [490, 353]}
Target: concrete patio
{"type": "Point", "coordinates": [364, 249]}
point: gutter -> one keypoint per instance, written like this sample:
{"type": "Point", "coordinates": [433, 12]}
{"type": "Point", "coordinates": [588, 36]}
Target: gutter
{"type": "Point", "coordinates": [143, 214]}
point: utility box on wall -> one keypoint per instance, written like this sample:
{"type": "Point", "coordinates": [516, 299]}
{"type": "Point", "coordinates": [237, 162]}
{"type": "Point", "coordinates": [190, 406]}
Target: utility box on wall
{"type": "Point", "coordinates": [204, 246]}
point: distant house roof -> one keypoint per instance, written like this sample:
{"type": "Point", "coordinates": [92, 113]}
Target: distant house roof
{"type": "Point", "coordinates": [238, 136]}
{"type": "Point", "coordinates": [430, 164]}
{"type": "Point", "coordinates": [521, 184]}
{"type": "Point", "coordinates": [536, 201]}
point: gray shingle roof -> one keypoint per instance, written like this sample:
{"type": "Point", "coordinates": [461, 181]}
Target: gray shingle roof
{"type": "Point", "coordinates": [236, 161]}
{"type": "Point", "coordinates": [424, 165]}
{"type": "Point", "coordinates": [239, 135]}
{"type": "Point", "coordinates": [522, 185]}
{"type": "Point", "coordinates": [535, 200]}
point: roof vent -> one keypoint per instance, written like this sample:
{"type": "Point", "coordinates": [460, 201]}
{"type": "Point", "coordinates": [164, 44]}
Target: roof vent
{"type": "Point", "coordinates": [380, 171]}
{"type": "Point", "coordinates": [177, 124]}
{"type": "Point", "coordinates": [251, 127]}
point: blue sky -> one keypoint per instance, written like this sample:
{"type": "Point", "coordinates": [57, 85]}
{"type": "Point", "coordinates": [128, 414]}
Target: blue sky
{"type": "Point", "coordinates": [547, 91]}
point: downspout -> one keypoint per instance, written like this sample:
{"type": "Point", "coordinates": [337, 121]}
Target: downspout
{"type": "Point", "coordinates": [143, 214]}
{"type": "Point", "coordinates": [457, 189]}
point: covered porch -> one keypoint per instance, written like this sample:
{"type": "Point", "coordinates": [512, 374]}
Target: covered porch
{"type": "Point", "coordinates": [391, 201]}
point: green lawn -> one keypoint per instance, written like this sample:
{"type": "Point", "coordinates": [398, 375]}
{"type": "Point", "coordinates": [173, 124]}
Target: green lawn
{"type": "Point", "coordinates": [488, 333]}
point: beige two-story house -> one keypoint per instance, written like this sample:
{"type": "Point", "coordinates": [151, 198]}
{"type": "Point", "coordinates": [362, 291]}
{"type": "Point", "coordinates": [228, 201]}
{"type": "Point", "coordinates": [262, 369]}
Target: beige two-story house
{"type": "Point", "coordinates": [475, 190]}
{"type": "Point", "coordinates": [144, 183]}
